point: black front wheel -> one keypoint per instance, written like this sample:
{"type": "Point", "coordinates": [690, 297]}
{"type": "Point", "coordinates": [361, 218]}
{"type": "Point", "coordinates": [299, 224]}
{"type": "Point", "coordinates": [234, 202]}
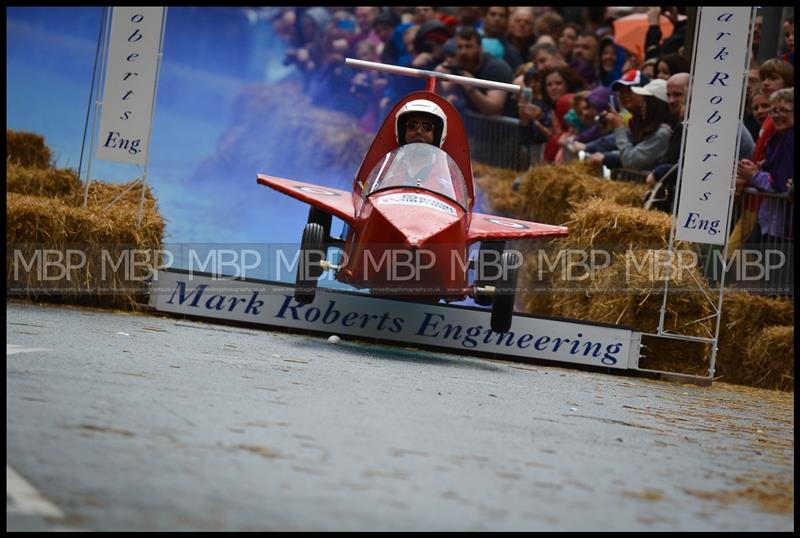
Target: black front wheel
{"type": "Point", "coordinates": [309, 270]}
{"type": "Point", "coordinates": [324, 219]}
{"type": "Point", "coordinates": [488, 269]}
{"type": "Point", "coordinates": [503, 304]}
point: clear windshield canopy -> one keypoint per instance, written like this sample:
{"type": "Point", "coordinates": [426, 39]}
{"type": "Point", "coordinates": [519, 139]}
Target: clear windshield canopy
{"type": "Point", "coordinates": [419, 165]}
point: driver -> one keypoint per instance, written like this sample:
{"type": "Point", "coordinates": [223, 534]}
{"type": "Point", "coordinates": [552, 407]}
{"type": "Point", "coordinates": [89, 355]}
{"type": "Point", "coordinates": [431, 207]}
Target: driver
{"type": "Point", "coordinates": [423, 122]}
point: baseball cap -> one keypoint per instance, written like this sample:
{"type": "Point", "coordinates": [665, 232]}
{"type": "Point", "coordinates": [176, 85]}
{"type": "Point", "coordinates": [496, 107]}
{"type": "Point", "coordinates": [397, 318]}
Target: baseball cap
{"type": "Point", "coordinates": [435, 30]}
{"type": "Point", "coordinates": [598, 97]}
{"type": "Point", "coordinates": [632, 77]}
{"type": "Point", "coordinates": [657, 88]}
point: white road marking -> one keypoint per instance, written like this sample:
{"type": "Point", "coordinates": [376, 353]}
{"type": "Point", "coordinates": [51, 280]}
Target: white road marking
{"type": "Point", "coordinates": [26, 498]}
{"type": "Point", "coordinates": [11, 349]}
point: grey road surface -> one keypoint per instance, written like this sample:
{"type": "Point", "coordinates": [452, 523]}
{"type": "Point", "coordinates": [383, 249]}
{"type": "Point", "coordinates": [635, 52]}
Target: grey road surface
{"type": "Point", "coordinates": [139, 422]}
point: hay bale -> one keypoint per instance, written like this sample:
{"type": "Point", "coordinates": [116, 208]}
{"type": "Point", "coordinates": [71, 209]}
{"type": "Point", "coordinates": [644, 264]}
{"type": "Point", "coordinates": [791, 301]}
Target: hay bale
{"type": "Point", "coordinates": [495, 188]}
{"type": "Point", "coordinates": [555, 194]}
{"type": "Point", "coordinates": [550, 192]}
{"type": "Point", "coordinates": [743, 312]}
{"type": "Point", "coordinates": [572, 274]}
{"type": "Point", "coordinates": [102, 194]}
{"type": "Point", "coordinates": [60, 251]}
{"type": "Point", "coordinates": [769, 360]}
{"type": "Point", "coordinates": [630, 292]}
{"type": "Point", "coordinates": [536, 277]}
{"type": "Point", "coordinates": [27, 149]}
{"type": "Point", "coordinates": [605, 216]}
{"type": "Point", "coordinates": [744, 316]}
{"type": "Point", "coordinates": [50, 182]}
{"type": "Point", "coordinates": [600, 214]}
{"type": "Point", "coordinates": [624, 193]}
{"type": "Point", "coordinates": [598, 231]}
{"type": "Point", "coordinates": [547, 193]}
{"type": "Point", "coordinates": [599, 223]}
{"type": "Point", "coordinates": [537, 302]}
{"type": "Point", "coordinates": [70, 254]}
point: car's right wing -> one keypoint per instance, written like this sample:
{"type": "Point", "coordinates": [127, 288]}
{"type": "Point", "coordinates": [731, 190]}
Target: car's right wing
{"type": "Point", "coordinates": [334, 201]}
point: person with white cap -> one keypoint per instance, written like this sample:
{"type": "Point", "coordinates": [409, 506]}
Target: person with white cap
{"type": "Point", "coordinates": [650, 127]}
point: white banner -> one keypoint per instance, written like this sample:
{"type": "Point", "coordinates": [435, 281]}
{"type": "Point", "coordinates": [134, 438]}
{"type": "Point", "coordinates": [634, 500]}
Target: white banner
{"type": "Point", "coordinates": [130, 84]}
{"type": "Point", "coordinates": [711, 140]}
{"type": "Point", "coordinates": [457, 328]}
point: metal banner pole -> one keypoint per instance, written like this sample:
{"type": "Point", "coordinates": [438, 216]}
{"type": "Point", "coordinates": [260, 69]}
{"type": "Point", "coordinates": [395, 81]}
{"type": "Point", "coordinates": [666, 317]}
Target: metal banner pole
{"type": "Point", "coordinates": [97, 106]}
{"type": "Point", "coordinates": [730, 204]}
{"type": "Point", "coordinates": [678, 182]}
{"type": "Point", "coordinates": [91, 90]}
{"type": "Point", "coordinates": [152, 113]}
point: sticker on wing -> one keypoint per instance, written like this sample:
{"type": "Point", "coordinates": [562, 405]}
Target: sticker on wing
{"type": "Point", "coordinates": [334, 201]}
{"type": "Point", "coordinates": [486, 227]}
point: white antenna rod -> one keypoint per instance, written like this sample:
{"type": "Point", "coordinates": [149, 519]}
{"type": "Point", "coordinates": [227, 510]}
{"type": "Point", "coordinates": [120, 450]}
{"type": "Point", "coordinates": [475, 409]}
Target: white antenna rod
{"type": "Point", "coordinates": [422, 73]}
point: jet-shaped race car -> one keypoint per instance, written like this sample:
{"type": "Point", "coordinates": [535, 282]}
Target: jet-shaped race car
{"type": "Point", "coordinates": [409, 216]}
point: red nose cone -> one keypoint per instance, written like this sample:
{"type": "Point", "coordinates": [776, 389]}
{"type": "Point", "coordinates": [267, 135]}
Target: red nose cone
{"type": "Point", "coordinates": [416, 216]}
{"type": "Point", "coordinates": [407, 243]}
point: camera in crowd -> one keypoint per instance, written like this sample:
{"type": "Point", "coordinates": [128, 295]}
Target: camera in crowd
{"type": "Point", "coordinates": [602, 118]}
{"type": "Point", "coordinates": [529, 79]}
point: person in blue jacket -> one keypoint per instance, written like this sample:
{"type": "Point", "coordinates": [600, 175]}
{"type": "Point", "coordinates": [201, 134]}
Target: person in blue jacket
{"type": "Point", "coordinates": [612, 60]}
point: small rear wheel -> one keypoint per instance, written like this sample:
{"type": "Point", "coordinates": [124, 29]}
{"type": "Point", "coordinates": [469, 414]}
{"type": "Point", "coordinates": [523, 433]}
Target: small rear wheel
{"type": "Point", "coordinates": [503, 305]}
{"type": "Point", "coordinates": [312, 252]}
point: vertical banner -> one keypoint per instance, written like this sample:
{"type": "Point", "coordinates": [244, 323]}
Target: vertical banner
{"type": "Point", "coordinates": [131, 66]}
{"type": "Point", "coordinates": [712, 130]}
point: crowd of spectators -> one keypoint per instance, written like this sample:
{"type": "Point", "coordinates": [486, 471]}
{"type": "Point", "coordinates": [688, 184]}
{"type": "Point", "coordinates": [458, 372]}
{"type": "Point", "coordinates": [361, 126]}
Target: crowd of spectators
{"type": "Point", "coordinates": [585, 93]}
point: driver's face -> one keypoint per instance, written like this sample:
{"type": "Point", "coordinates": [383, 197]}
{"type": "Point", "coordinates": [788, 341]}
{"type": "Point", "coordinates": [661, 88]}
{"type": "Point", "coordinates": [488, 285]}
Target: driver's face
{"type": "Point", "coordinates": [419, 129]}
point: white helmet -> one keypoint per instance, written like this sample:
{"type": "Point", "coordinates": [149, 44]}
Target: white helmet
{"type": "Point", "coordinates": [422, 106]}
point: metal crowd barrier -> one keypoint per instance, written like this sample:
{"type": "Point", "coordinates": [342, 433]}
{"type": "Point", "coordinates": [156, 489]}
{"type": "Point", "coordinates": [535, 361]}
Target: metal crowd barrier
{"type": "Point", "coordinates": [628, 174]}
{"type": "Point", "coordinates": [496, 141]}
{"type": "Point", "coordinates": [760, 264]}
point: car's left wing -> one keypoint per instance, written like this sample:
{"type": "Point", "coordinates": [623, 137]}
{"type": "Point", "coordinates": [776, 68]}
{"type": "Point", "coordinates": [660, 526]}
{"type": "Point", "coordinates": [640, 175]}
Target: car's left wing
{"type": "Point", "coordinates": [334, 201]}
{"type": "Point", "coordinates": [488, 227]}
